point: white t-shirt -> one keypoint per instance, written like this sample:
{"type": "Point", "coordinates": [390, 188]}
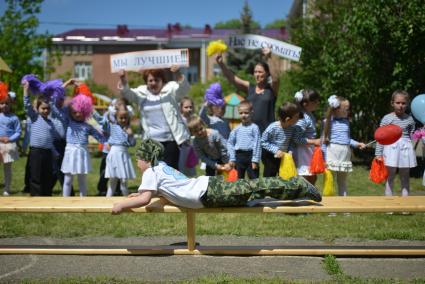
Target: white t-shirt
{"type": "Point", "coordinates": [155, 118]}
{"type": "Point", "coordinates": [166, 181]}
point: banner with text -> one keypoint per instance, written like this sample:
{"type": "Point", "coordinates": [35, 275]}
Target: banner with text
{"type": "Point", "coordinates": [280, 48]}
{"type": "Point", "coordinates": [149, 59]}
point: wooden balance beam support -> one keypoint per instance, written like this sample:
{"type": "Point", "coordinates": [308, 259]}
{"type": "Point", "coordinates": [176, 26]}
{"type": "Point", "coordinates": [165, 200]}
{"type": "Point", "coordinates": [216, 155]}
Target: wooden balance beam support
{"type": "Point", "coordinates": [351, 204]}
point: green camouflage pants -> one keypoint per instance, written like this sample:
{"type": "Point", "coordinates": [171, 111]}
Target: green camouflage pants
{"type": "Point", "coordinates": [227, 194]}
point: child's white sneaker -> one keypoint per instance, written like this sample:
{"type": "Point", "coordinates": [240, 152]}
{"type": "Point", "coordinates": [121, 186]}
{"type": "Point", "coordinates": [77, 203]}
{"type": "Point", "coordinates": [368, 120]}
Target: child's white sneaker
{"type": "Point", "coordinates": [5, 193]}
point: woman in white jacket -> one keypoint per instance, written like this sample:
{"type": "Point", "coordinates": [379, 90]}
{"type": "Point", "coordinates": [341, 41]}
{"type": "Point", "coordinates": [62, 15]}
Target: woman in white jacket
{"type": "Point", "coordinates": [159, 110]}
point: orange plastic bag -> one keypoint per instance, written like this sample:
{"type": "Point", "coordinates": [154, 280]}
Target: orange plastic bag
{"type": "Point", "coordinates": [4, 91]}
{"type": "Point", "coordinates": [232, 175]}
{"type": "Point", "coordinates": [317, 164]}
{"type": "Point", "coordinates": [378, 171]}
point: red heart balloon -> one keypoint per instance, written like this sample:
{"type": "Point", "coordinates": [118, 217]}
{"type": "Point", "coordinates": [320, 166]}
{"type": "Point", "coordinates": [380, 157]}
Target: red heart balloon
{"type": "Point", "coordinates": [388, 134]}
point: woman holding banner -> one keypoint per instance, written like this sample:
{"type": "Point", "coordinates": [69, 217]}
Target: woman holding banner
{"type": "Point", "coordinates": [159, 110]}
{"type": "Point", "coordinates": [263, 94]}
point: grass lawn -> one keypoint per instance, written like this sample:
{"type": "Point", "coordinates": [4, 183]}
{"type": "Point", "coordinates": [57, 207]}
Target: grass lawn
{"type": "Point", "coordinates": [312, 226]}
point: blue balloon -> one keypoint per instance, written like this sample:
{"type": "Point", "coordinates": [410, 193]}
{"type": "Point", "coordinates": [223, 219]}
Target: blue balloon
{"type": "Point", "coordinates": [418, 108]}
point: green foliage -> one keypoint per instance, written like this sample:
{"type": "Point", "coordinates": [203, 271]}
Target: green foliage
{"type": "Point", "coordinates": [331, 265]}
{"type": "Point", "coordinates": [21, 48]}
{"type": "Point", "coordinates": [230, 24]}
{"type": "Point", "coordinates": [276, 24]}
{"type": "Point", "coordinates": [244, 59]}
{"type": "Point", "coordinates": [362, 50]}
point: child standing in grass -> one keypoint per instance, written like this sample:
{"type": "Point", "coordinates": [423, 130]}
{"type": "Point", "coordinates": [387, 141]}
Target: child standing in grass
{"type": "Point", "coordinates": [42, 150]}
{"type": "Point", "coordinates": [277, 137]}
{"type": "Point", "coordinates": [244, 144]}
{"type": "Point", "coordinates": [118, 161]}
{"type": "Point", "coordinates": [305, 137]}
{"type": "Point", "coordinates": [210, 146]}
{"type": "Point", "coordinates": [159, 179]}
{"type": "Point", "coordinates": [399, 155]}
{"type": "Point", "coordinates": [10, 131]}
{"type": "Point", "coordinates": [76, 160]}
{"type": "Point", "coordinates": [337, 141]}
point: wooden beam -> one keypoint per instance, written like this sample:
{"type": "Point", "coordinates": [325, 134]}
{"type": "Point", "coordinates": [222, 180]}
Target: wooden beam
{"type": "Point", "coordinates": [337, 204]}
{"type": "Point", "coordinates": [191, 242]}
{"type": "Point", "coordinates": [220, 250]}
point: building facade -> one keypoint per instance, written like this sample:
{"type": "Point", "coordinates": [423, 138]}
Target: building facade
{"type": "Point", "coordinates": [85, 53]}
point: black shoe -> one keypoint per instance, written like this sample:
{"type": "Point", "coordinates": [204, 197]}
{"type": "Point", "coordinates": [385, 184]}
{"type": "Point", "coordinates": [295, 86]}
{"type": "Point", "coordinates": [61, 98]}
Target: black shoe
{"type": "Point", "coordinates": [309, 190]}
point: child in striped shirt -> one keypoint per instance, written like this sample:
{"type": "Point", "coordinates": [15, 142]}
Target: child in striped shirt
{"type": "Point", "coordinates": [337, 141]}
{"type": "Point", "coordinates": [400, 154]}
{"type": "Point", "coordinates": [42, 150]}
{"type": "Point", "coordinates": [104, 121]}
{"type": "Point", "coordinates": [277, 137]}
{"type": "Point", "coordinates": [118, 161]}
{"type": "Point", "coordinates": [306, 134]}
{"type": "Point", "coordinates": [213, 110]}
{"type": "Point", "coordinates": [209, 146]}
{"type": "Point", "coordinates": [244, 144]}
{"type": "Point", "coordinates": [10, 131]}
{"type": "Point", "coordinates": [76, 160]}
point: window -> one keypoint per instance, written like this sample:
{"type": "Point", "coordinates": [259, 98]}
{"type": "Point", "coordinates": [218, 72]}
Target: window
{"type": "Point", "coordinates": [82, 70]}
{"type": "Point", "coordinates": [216, 70]}
{"type": "Point", "coordinates": [190, 73]}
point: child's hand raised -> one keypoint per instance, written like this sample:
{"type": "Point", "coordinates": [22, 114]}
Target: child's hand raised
{"type": "Point", "coordinates": [123, 79]}
{"type": "Point", "coordinates": [25, 85]}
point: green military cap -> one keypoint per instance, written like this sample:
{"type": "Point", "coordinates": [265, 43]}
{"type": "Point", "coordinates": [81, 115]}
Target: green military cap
{"type": "Point", "coordinates": [151, 151]}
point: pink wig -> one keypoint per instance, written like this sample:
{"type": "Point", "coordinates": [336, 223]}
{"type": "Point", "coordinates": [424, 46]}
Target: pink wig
{"type": "Point", "coordinates": [83, 104]}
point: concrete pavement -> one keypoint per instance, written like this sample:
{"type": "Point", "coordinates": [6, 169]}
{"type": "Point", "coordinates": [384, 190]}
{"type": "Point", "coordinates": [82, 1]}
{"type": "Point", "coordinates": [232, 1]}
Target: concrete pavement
{"type": "Point", "coordinates": [14, 268]}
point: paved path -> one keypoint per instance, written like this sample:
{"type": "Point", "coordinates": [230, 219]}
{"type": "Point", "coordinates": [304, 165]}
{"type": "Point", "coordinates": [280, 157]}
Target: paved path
{"type": "Point", "coordinates": [14, 268]}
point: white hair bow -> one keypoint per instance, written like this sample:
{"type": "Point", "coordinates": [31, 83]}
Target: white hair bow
{"type": "Point", "coordinates": [130, 110]}
{"type": "Point", "coordinates": [333, 101]}
{"type": "Point", "coordinates": [299, 96]}
{"type": "Point", "coordinates": [12, 95]}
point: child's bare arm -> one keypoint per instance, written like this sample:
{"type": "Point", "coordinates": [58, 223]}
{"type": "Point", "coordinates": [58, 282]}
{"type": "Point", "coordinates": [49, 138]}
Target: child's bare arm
{"type": "Point", "coordinates": [133, 202]}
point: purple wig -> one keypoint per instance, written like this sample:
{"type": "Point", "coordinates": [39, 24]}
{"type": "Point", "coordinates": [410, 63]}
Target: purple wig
{"type": "Point", "coordinates": [34, 83]}
{"type": "Point", "coordinates": [214, 95]}
{"type": "Point", "coordinates": [52, 89]}
{"type": "Point", "coordinates": [83, 104]}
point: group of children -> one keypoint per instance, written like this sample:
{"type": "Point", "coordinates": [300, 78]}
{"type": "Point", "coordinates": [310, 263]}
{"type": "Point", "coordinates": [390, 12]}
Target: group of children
{"type": "Point", "coordinates": [295, 132]}
{"type": "Point", "coordinates": [59, 138]}
{"type": "Point", "coordinates": [59, 134]}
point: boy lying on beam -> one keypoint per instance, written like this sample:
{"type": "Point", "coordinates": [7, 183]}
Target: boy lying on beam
{"type": "Point", "coordinates": [159, 179]}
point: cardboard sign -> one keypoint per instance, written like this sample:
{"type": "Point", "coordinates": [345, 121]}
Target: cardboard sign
{"type": "Point", "coordinates": [280, 48]}
{"type": "Point", "coordinates": [149, 59]}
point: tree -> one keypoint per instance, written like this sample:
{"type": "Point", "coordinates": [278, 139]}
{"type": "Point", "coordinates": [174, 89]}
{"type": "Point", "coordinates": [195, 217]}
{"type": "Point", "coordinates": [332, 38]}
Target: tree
{"type": "Point", "coordinates": [230, 24]}
{"type": "Point", "coordinates": [362, 50]}
{"type": "Point", "coordinates": [21, 47]}
{"type": "Point", "coordinates": [276, 24]}
{"type": "Point", "coordinates": [242, 59]}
